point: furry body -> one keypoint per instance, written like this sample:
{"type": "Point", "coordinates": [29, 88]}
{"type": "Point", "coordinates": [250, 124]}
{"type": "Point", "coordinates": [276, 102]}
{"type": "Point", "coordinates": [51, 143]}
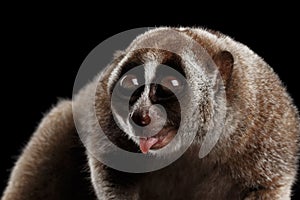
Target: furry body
{"type": "Point", "coordinates": [255, 157]}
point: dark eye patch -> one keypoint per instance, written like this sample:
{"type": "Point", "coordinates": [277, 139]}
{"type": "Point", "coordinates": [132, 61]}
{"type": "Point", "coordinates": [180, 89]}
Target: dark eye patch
{"type": "Point", "coordinates": [173, 61]}
{"type": "Point", "coordinates": [171, 83]}
{"type": "Point", "coordinates": [130, 85]}
{"type": "Point", "coordinates": [136, 60]}
{"type": "Point", "coordinates": [128, 66]}
{"type": "Point", "coordinates": [138, 73]}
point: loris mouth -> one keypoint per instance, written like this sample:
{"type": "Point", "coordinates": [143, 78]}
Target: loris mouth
{"type": "Point", "coordinates": [161, 139]}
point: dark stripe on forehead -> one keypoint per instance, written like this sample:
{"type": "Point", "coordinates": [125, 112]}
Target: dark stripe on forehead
{"type": "Point", "coordinates": [174, 61]}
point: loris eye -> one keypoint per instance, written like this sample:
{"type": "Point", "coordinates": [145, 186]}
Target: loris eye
{"type": "Point", "coordinates": [170, 86]}
{"type": "Point", "coordinates": [129, 86]}
{"type": "Point", "coordinates": [172, 83]}
{"type": "Point", "coordinates": [129, 82]}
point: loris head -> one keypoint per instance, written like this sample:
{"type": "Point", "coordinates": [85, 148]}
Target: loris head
{"type": "Point", "coordinates": [165, 93]}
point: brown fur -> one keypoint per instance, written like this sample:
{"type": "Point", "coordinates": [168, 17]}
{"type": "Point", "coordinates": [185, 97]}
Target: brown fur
{"type": "Point", "coordinates": [52, 165]}
{"type": "Point", "coordinates": [255, 158]}
{"type": "Point", "coordinates": [257, 161]}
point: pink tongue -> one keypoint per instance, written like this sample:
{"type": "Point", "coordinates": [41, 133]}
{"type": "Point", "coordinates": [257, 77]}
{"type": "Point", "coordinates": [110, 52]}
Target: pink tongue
{"type": "Point", "coordinates": [147, 143]}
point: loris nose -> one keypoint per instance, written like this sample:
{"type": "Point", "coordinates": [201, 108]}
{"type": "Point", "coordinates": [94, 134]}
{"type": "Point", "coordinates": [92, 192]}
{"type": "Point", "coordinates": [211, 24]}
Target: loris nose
{"type": "Point", "coordinates": [141, 118]}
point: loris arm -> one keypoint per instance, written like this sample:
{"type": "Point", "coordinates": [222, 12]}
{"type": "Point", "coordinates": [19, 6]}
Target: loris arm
{"type": "Point", "coordinates": [52, 164]}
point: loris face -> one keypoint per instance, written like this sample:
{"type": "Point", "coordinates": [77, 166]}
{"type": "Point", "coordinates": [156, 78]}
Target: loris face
{"type": "Point", "coordinates": [163, 98]}
{"type": "Point", "coordinates": [146, 96]}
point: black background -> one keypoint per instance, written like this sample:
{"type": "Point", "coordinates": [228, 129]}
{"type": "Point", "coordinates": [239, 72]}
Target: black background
{"type": "Point", "coordinates": [42, 49]}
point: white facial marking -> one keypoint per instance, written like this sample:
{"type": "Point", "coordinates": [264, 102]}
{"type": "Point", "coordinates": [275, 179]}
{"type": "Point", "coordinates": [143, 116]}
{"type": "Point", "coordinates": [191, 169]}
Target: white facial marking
{"type": "Point", "coordinates": [143, 101]}
{"type": "Point", "coordinates": [150, 69]}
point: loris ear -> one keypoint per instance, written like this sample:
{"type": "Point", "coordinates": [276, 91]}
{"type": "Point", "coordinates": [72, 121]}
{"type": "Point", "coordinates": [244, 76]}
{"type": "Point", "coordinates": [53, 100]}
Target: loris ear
{"type": "Point", "coordinates": [224, 60]}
